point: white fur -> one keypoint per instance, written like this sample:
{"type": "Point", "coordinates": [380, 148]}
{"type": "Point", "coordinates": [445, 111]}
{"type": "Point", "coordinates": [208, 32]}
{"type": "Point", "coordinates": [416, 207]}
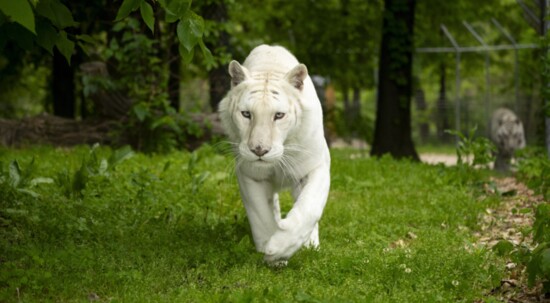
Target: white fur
{"type": "Point", "coordinates": [508, 135]}
{"type": "Point", "coordinates": [272, 81]}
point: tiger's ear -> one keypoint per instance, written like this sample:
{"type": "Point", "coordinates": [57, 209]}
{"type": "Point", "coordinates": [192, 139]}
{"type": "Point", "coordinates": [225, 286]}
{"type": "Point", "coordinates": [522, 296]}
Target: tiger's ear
{"type": "Point", "coordinates": [296, 76]}
{"type": "Point", "coordinates": [237, 72]}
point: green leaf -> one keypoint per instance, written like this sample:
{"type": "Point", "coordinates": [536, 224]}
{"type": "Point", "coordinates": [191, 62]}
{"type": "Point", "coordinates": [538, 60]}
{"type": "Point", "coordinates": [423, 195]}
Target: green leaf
{"type": "Point", "coordinates": [86, 44]}
{"type": "Point", "coordinates": [190, 30]}
{"type": "Point", "coordinates": [186, 55]}
{"type": "Point", "coordinates": [87, 39]}
{"type": "Point", "coordinates": [19, 11]}
{"type": "Point", "coordinates": [120, 155]}
{"type": "Point", "coordinates": [80, 179]}
{"type": "Point", "coordinates": [15, 173]}
{"type": "Point", "coordinates": [533, 270]}
{"type": "Point", "coordinates": [141, 111]}
{"type": "Point", "coordinates": [65, 46]}
{"type": "Point", "coordinates": [170, 18]}
{"type": "Point", "coordinates": [103, 167]}
{"type": "Point", "coordinates": [46, 36]}
{"type": "Point", "coordinates": [56, 12]}
{"type": "Point", "coordinates": [185, 37]}
{"type": "Point", "coordinates": [545, 261]}
{"type": "Point", "coordinates": [198, 181]}
{"type": "Point", "coordinates": [203, 176]}
{"type": "Point", "coordinates": [196, 24]}
{"type": "Point", "coordinates": [207, 55]}
{"type": "Point", "coordinates": [40, 180]}
{"type": "Point", "coordinates": [126, 8]}
{"type": "Point", "coordinates": [28, 192]}
{"type": "Point", "coordinates": [148, 16]}
{"type": "Point", "coordinates": [166, 120]}
{"type": "Point", "coordinates": [166, 166]}
{"type": "Point", "coordinates": [503, 247]}
{"type": "Point", "coordinates": [219, 176]}
{"type": "Point", "coordinates": [301, 296]}
{"type": "Point", "coordinates": [22, 37]}
{"type": "Point", "coordinates": [177, 8]}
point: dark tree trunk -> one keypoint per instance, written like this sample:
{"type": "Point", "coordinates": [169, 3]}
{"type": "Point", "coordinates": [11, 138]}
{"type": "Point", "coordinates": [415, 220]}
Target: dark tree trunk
{"type": "Point", "coordinates": [218, 77]}
{"type": "Point", "coordinates": [422, 107]}
{"type": "Point", "coordinates": [345, 94]}
{"type": "Point", "coordinates": [546, 81]}
{"type": "Point", "coordinates": [347, 112]}
{"type": "Point", "coordinates": [174, 68]}
{"type": "Point", "coordinates": [63, 87]}
{"type": "Point", "coordinates": [219, 85]}
{"type": "Point", "coordinates": [355, 112]}
{"type": "Point", "coordinates": [356, 100]}
{"type": "Point", "coordinates": [442, 119]}
{"type": "Point", "coordinates": [392, 134]}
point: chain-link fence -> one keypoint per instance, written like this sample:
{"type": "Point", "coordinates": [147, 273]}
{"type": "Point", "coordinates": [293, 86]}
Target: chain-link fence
{"type": "Point", "coordinates": [488, 76]}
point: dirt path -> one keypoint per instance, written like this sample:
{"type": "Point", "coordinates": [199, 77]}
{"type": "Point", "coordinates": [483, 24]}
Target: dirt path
{"type": "Point", "coordinates": [505, 222]}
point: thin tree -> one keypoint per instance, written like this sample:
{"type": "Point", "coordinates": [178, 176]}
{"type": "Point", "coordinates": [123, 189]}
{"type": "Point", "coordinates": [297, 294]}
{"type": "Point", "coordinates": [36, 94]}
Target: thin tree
{"type": "Point", "coordinates": [63, 86]}
{"type": "Point", "coordinates": [392, 134]}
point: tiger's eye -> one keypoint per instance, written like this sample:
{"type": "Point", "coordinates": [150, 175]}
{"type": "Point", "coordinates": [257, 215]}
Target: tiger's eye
{"type": "Point", "coordinates": [279, 116]}
{"type": "Point", "coordinates": [246, 114]}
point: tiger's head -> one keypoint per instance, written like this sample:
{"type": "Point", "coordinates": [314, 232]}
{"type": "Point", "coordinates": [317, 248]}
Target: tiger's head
{"type": "Point", "coordinates": [261, 111]}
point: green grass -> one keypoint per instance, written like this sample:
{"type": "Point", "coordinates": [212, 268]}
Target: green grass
{"type": "Point", "coordinates": [160, 229]}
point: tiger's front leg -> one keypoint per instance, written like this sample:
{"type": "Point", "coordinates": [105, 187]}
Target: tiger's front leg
{"type": "Point", "coordinates": [258, 199]}
{"type": "Point", "coordinates": [300, 227]}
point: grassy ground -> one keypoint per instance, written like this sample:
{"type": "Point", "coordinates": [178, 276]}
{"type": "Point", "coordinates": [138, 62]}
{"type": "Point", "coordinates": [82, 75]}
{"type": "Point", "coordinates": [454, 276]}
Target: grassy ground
{"type": "Point", "coordinates": [171, 228]}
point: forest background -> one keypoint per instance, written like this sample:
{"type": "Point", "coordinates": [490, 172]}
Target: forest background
{"type": "Point", "coordinates": [124, 72]}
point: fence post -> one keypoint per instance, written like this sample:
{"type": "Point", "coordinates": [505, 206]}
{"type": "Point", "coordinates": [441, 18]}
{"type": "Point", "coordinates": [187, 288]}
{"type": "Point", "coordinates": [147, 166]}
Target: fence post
{"type": "Point", "coordinates": [457, 77]}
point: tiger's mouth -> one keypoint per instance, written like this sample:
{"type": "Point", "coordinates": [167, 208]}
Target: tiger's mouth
{"type": "Point", "coordinates": [261, 161]}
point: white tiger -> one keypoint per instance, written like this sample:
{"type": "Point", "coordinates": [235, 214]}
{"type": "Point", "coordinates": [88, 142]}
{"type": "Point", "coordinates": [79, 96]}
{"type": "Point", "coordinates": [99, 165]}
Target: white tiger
{"type": "Point", "coordinates": [274, 119]}
{"type": "Point", "coordinates": [507, 133]}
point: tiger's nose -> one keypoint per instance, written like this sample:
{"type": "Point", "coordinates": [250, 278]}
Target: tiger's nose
{"type": "Point", "coordinates": [259, 151]}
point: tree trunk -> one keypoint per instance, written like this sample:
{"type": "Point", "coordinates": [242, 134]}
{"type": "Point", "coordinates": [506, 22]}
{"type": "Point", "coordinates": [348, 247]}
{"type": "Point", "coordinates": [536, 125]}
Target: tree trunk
{"type": "Point", "coordinates": [356, 100]}
{"type": "Point", "coordinates": [63, 86]}
{"type": "Point", "coordinates": [174, 68]}
{"type": "Point", "coordinates": [392, 134]}
{"type": "Point", "coordinates": [355, 113]}
{"type": "Point", "coordinates": [442, 119]}
{"type": "Point", "coordinates": [546, 100]}
{"type": "Point", "coordinates": [422, 107]}
{"type": "Point", "coordinates": [218, 77]}
{"type": "Point", "coordinates": [219, 81]}
{"type": "Point", "coordinates": [345, 95]}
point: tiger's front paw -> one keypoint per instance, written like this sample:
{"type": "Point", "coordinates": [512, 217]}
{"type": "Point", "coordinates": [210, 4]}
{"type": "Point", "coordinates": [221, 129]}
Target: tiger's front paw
{"type": "Point", "coordinates": [286, 241]}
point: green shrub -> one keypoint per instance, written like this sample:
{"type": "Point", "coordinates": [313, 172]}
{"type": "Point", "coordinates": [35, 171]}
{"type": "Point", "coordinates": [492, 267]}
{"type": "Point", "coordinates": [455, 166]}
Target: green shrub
{"type": "Point", "coordinates": [534, 170]}
{"type": "Point", "coordinates": [21, 180]}
{"type": "Point", "coordinates": [480, 149]}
